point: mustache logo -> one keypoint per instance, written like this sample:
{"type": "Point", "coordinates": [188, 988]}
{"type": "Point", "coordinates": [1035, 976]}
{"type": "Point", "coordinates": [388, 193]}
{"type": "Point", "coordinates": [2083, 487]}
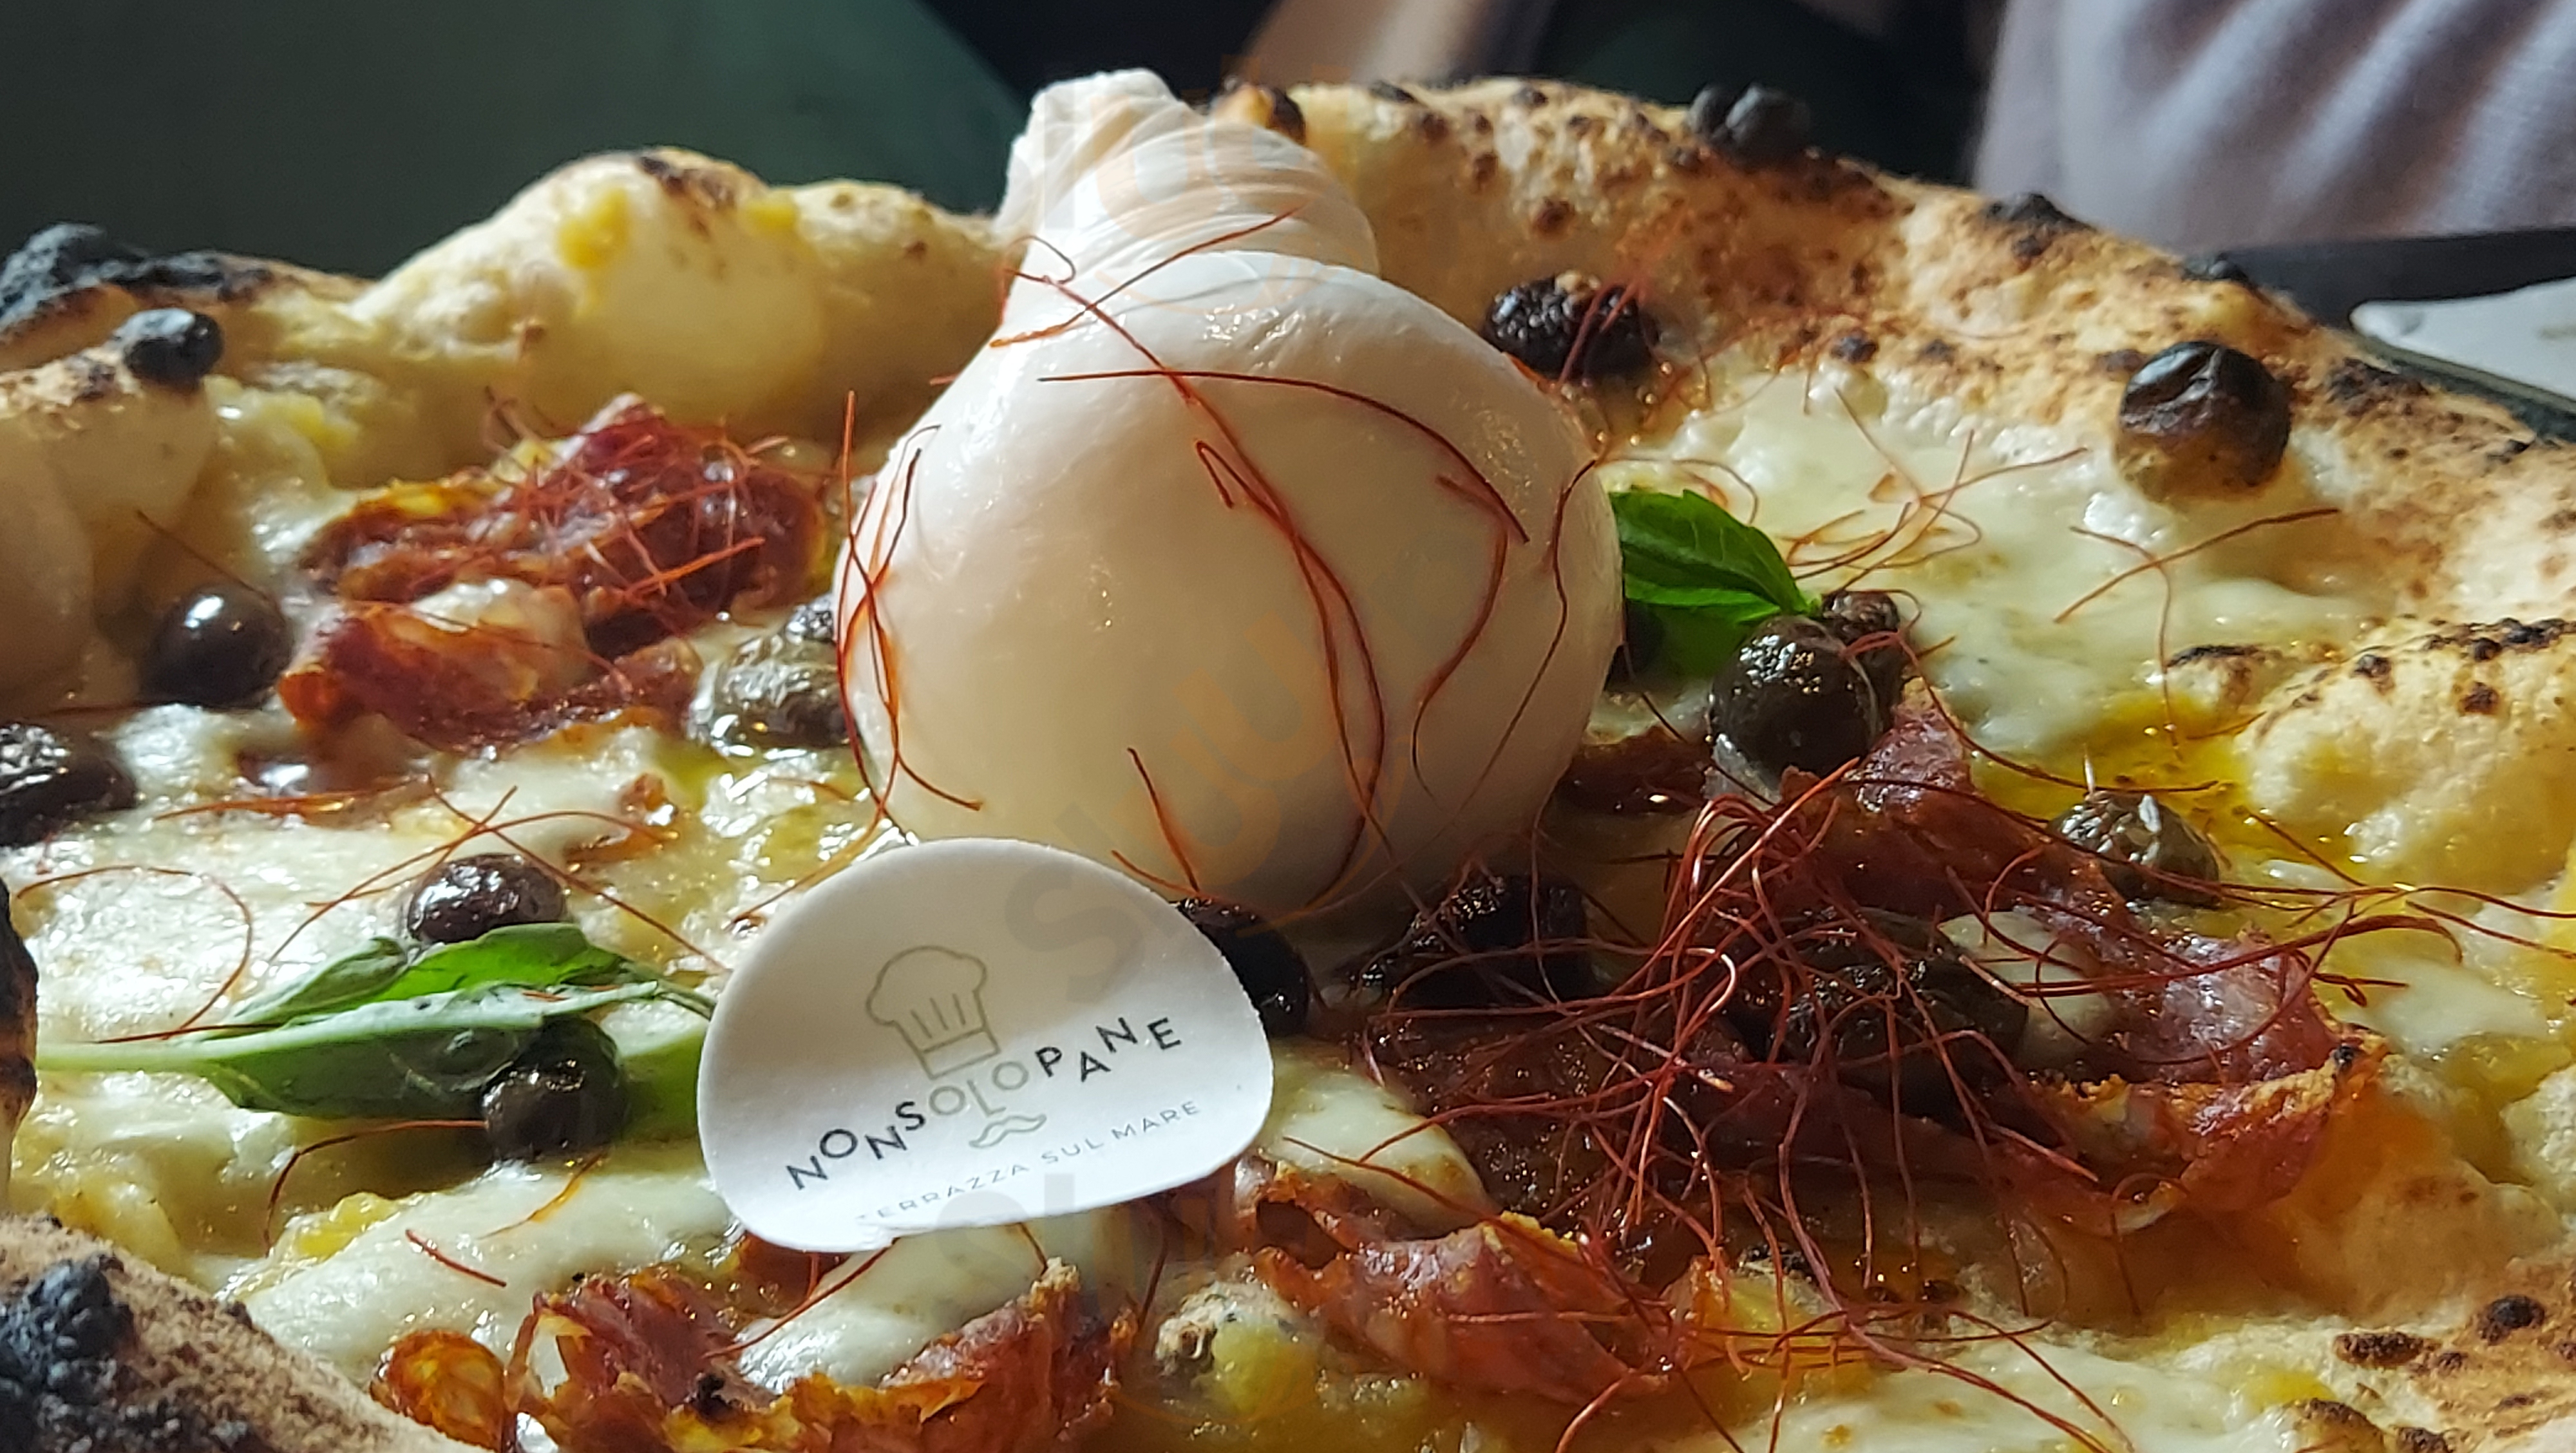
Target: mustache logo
{"type": "Point", "coordinates": [997, 1131]}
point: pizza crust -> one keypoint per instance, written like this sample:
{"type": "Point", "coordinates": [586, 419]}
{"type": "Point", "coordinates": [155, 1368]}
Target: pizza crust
{"type": "Point", "coordinates": [189, 1374]}
{"type": "Point", "coordinates": [2011, 309]}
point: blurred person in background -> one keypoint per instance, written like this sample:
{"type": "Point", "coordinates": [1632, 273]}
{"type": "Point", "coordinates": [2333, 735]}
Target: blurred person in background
{"type": "Point", "coordinates": [2226, 123]}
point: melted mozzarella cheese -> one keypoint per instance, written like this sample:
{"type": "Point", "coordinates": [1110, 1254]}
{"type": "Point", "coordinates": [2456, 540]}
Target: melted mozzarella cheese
{"type": "Point", "coordinates": [1330, 1121]}
{"type": "Point", "coordinates": [517, 1224]}
{"type": "Point", "coordinates": [925, 1286]}
{"type": "Point", "coordinates": [133, 920]}
{"type": "Point", "coordinates": [2003, 537]}
{"type": "Point", "coordinates": [2150, 1409]}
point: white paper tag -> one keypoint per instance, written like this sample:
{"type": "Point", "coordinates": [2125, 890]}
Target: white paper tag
{"type": "Point", "coordinates": [972, 1033]}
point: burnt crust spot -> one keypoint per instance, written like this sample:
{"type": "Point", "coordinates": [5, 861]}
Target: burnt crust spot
{"type": "Point", "coordinates": [2032, 209]}
{"type": "Point", "coordinates": [1937, 350]}
{"type": "Point", "coordinates": [2486, 642]}
{"type": "Point", "coordinates": [2327, 1413]}
{"type": "Point", "coordinates": [1530, 96]}
{"type": "Point", "coordinates": [2446, 1362]}
{"type": "Point", "coordinates": [2419, 1440]}
{"type": "Point", "coordinates": [2507, 1315]}
{"type": "Point", "coordinates": [1480, 172]}
{"type": "Point", "coordinates": [59, 1373]}
{"type": "Point", "coordinates": [2035, 222]}
{"type": "Point", "coordinates": [1552, 217]}
{"type": "Point", "coordinates": [692, 186]}
{"type": "Point", "coordinates": [2191, 654]}
{"type": "Point", "coordinates": [2478, 700]}
{"type": "Point", "coordinates": [70, 258]}
{"type": "Point", "coordinates": [1855, 347]}
{"type": "Point", "coordinates": [2372, 667]}
{"type": "Point", "coordinates": [1390, 91]}
{"type": "Point", "coordinates": [2356, 383]}
{"type": "Point", "coordinates": [2380, 1349]}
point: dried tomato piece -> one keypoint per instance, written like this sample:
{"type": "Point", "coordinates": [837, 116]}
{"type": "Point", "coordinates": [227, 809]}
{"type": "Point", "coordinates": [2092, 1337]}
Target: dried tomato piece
{"type": "Point", "coordinates": [449, 1382]}
{"type": "Point", "coordinates": [655, 527]}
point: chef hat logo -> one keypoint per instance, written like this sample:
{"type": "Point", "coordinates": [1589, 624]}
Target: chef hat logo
{"type": "Point", "coordinates": [934, 998]}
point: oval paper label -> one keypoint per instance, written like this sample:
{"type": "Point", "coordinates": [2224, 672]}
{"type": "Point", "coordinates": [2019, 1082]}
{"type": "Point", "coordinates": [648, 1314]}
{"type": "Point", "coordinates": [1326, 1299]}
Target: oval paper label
{"type": "Point", "coordinates": [972, 1033]}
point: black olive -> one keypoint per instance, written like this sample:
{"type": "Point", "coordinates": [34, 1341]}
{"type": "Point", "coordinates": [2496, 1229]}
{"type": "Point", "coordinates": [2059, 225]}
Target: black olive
{"type": "Point", "coordinates": [1550, 321]}
{"type": "Point", "coordinates": [2203, 418]}
{"type": "Point", "coordinates": [2145, 846]}
{"type": "Point", "coordinates": [1792, 696]}
{"type": "Point", "coordinates": [1706, 117]}
{"type": "Point", "coordinates": [817, 620]}
{"type": "Point", "coordinates": [219, 645]}
{"type": "Point", "coordinates": [566, 1095]}
{"type": "Point", "coordinates": [1872, 624]}
{"type": "Point", "coordinates": [1272, 972]}
{"type": "Point", "coordinates": [172, 347]}
{"type": "Point", "coordinates": [2215, 267]}
{"type": "Point", "coordinates": [1495, 939]}
{"type": "Point", "coordinates": [49, 778]}
{"type": "Point", "coordinates": [470, 896]}
{"type": "Point", "coordinates": [779, 690]}
{"type": "Point", "coordinates": [1892, 1005]}
{"type": "Point", "coordinates": [1766, 125]}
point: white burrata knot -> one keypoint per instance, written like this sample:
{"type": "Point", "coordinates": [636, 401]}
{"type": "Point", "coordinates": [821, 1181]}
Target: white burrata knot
{"type": "Point", "coordinates": [1226, 561]}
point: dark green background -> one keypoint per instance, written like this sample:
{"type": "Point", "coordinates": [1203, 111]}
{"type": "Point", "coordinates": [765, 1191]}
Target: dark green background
{"type": "Point", "coordinates": [347, 133]}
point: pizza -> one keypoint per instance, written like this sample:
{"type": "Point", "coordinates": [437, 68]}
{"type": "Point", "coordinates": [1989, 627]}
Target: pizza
{"type": "Point", "coordinates": [1855, 813]}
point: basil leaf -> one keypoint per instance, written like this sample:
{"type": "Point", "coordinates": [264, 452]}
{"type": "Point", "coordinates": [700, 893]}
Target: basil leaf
{"type": "Point", "coordinates": [1706, 577]}
{"type": "Point", "coordinates": [353, 979]}
{"type": "Point", "coordinates": [425, 1058]}
{"type": "Point", "coordinates": [528, 955]}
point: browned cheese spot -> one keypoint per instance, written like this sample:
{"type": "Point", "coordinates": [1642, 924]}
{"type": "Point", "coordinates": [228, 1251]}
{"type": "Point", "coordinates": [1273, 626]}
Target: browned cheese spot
{"type": "Point", "coordinates": [2380, 1349]}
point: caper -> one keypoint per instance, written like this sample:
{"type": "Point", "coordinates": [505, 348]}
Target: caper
{"type": "Point", "coordinates": [2202, 418]}
{"type": "Point", "coordinates": [1570, 326]}
{"type": "Point", "coordinates": [564, 1096]}
{"type": "Point", "coordinates": [49, 778]}
{"type": "Point", "coordinates": [221, 644]}
{"type": "Point", "coordinates": [2147, 849]}
{"type": "Point", "coordinates": [1792, 696]}
{"type": "Point", "coordinates": [1497, 938]}
{"type": "Point", "coordinates": [172, 347]}
{"type": "Point", "coordinates": [778, 690]}
{"type": "Point", "coordinates": [1272, 972]}
{"type": "Point", "coordinates": [470, 896]}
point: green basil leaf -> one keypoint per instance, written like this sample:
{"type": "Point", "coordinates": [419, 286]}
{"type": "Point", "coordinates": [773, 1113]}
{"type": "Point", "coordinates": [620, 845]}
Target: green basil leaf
{"type": "Point", "coordinates": [528, 955]}
{"type": "Point", "coordinates": [1686, 540]}
{"type": "Point", "coordinates": [1752, 609]}
{"type": "Point", "coordinates": [353, 979]}
{"type": "Point", "coordinates": [1697, 643]}
{"type": "Point", "coordinates": [425, 1058]}
{"type": "Point", "coordinates": [1706, 577]}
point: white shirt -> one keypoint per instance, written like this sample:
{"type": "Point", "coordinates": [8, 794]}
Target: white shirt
{"type": "Point", "coordinates": [2210, 123]}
